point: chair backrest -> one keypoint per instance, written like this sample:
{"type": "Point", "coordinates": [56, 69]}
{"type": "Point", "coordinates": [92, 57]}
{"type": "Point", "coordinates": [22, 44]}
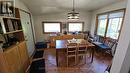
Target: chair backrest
{"type": "Point", "coordinates": [110, 42]}
{"type": "Point", "coordinates": [86, 35]}
{"type": "Point", "coordinates": [98, 38]}
{"type": "Point", "coordinates": [102, 39]}
{"type": "Point", "coordinates": [83, 44]}
{"type": "Point", "coordinates": [82, 48]}
{"type": "Point", "coordinates": [71, 48]}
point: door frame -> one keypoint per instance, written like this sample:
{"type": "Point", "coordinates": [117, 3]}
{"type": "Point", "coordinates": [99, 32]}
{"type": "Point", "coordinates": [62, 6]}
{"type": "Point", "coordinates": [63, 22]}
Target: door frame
{"type": "Point", "coordinates": [30, 17]}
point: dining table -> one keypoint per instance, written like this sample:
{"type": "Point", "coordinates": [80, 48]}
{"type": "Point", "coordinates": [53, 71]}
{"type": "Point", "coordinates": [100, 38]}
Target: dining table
{"type": "Point", "coordinates": [61, 47]}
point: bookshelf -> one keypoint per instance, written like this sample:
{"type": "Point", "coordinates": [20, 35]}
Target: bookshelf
{"type": "Point", "coordinates": [11, 29]}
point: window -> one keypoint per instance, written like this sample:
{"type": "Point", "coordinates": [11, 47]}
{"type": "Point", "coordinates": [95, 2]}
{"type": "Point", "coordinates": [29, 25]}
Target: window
{"type": "Point", "coordinates": [102, 21]}
{"type": "Point", "coordinates": [75, 26]}
{"type": "Point", "coordinates": [109, 24]}
{"type": "Point", "coordinates": [114, 28]}
{"type": "Point", "coordinates": [51, 27]}
{"type": "Point", "coordinates": [114, 25]}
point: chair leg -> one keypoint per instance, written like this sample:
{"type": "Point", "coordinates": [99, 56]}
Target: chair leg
{"type": "Point", "coordinates": [67, 62]}
{"type": "Point", "coordinates": [85, 59]}
{"type": "Point", "coordinates": [75, 60]}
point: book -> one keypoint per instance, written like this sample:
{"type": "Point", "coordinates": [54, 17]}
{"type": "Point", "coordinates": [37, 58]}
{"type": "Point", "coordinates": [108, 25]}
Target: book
{"type": "Point", "coordinates": [10, 25]}
{"type": "Point", "coordinates": [1, 31]}
{"type": "Point", "coordinates": [16, 25]}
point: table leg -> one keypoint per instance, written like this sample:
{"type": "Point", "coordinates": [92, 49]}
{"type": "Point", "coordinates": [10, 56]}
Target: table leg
{"type": "Point", "coordinates": [92, 54]}
{"type": "Point", "coordinates": [57, 63]}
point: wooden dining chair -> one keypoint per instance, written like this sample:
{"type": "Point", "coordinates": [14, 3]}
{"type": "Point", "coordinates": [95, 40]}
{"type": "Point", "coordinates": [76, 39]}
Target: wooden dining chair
{"type": "Point", "coordinates": [71, 52]}
{"type": "Point", "coordinates": [82, 51]}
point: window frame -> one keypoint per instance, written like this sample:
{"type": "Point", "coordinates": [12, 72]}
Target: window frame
{"type": "Point", "coordinates": [51, 32]}
{"type": "Point", "coordinates": [75, 22]}
{"type": "Point", "coordinates": [107, 23]}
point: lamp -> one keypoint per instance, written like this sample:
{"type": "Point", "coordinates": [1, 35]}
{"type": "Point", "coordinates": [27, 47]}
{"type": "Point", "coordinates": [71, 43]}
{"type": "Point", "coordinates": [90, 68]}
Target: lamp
{"type": "Point", "coordinates": [73, 15]}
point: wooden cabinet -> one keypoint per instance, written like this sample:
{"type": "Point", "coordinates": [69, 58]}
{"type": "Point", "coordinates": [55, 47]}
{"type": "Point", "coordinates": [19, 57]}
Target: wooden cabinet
{"type": "Point", "coordinates": [12, 58]}
{"type": "Point", "coordinates": [13, 53]}
{"type": "Point", "coordinates": [24, 58]}
{"type": "Point", "coordinates": [67, 37]}
{"type": "Point", "coordinates": [15, 59]}
{"type": "Point", "coordinates": [64, 37]}
{"type": "Point", "coordinates": [3, 64]}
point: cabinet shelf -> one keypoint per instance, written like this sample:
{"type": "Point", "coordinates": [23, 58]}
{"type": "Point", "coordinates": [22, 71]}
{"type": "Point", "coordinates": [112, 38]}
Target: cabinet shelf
{"type": "Point", "coordinates": [13, 32]}
{"type": "Point", "coordinates": [11, 46]}
{"type": "Point", "coordinates": [10, 17]}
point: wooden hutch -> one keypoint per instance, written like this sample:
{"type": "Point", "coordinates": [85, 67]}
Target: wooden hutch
{"type": "Point", "coordinates": [13, 51]}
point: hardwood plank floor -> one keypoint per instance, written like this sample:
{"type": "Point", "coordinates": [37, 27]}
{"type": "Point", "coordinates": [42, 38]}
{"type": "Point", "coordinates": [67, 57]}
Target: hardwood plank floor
{"type": "Point", "coordinates": [99, 64]}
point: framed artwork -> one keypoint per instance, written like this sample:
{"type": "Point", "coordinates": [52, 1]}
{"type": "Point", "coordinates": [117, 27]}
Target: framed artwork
{"type": "Point", "coordinates": [64, 25]}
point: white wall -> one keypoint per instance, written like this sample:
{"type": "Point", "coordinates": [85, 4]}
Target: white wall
{"type": "Point", "coordinates": [21, 5]}
{"type": "Point", "coordinates": [115, 6]}
{"type": "Point", "coordinates": [62, 17]}
{"type": "Point", "coordinates": [121, 61]}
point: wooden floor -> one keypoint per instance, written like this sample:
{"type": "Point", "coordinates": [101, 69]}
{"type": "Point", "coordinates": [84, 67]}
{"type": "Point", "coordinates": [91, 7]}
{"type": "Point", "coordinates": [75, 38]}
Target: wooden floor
{"type": "Point", "coordinates": [99, 64]}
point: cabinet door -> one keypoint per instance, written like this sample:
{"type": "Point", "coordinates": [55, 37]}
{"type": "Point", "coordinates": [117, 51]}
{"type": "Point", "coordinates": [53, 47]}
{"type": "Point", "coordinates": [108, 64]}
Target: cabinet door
{"type": "Point", "coordinates": [24, 57]}
{"type": "Point", "coordinates": [3, 65]}
{"type": "Point", "coordinates": [12, 58]}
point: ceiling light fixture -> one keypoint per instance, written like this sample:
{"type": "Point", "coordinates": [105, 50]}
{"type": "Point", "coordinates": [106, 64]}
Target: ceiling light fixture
{"type": "Point", "coordinates": [73, 15]}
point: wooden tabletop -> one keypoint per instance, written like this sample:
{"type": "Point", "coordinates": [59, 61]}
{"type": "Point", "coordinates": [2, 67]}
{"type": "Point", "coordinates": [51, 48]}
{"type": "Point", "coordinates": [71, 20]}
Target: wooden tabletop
{"type": "Point", "coordinates": [61, 44]}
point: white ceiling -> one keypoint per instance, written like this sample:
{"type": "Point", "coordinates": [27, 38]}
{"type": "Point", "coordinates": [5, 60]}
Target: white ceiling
{"type": "Point", "coordinates": [54, 6]}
